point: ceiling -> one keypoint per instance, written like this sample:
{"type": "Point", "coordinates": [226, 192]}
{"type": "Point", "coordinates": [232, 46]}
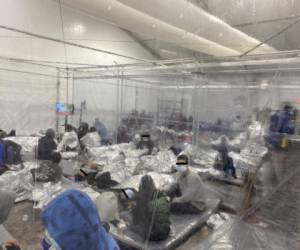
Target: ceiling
{"type": "Point", "coordinates": [179, 30]}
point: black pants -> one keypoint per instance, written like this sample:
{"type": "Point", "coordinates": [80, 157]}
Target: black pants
{"type": "Point", "coordinates": [183, 208]}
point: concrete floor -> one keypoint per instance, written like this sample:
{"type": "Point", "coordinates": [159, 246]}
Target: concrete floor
{"type": "Point", "coordinates": [279, 212]}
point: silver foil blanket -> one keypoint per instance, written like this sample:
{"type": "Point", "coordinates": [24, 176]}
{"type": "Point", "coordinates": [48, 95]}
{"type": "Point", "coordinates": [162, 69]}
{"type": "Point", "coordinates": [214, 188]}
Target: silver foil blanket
{"type": "Point", "coordinates": [162, 182]}
{"type": "Point", "coordinates": [160, 163]}
{"type": "Point", "coordinates": [203, 157]}
{"type": "Point", "coordinates": [20, 182]}
{"type": "Point", "coordinates": [28, 144]}
{"type": "Point", "coordinates": [217, 220]}
{"type": "Point", "coordinates": [250, 157]}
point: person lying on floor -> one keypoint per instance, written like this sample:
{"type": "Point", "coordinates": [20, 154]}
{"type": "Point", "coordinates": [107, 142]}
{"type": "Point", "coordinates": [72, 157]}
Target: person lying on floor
{"type": "Point", "coordinates": [192, 199]}
{"type": "Point", "coordinates": [48, 170]}
{"type": "Point", "coordinates": [151, 209]}
{"type": "Point", "coordinates": [47, 145]}
{"type": "Point", "coordinates": [6, 203]}
{"type": "Point", "coordinates": [69, 141]}
{"type": "Point", "coordinates": [72, 223]}
{"type": "Point", "coordinates": [146, 143]}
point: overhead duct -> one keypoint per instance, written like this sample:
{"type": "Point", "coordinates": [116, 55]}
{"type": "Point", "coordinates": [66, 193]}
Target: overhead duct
{"type": "Point", "coordinates": [137, 21]}
{"type": "Point", "coordinates": [189, 17]}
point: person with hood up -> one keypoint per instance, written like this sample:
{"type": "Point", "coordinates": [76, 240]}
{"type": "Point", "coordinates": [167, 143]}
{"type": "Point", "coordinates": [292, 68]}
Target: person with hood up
{"type": "Point", "coordinates": [192, 199]}
{"type": "Point", "coordinates": [151, 215]}
{"type": "Point", "coordinates": [69, 141]}
{"type": "Point", "coordinates": [102, 130]}
{"type": "Point", "coordinates": [72, 223]}
{"type": "Point", "coordinates": [7, 200]}
{"type": "Point", "coordinates": [47, 145]}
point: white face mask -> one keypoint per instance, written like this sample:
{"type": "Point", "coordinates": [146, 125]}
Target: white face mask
{"type": "Point", "coordinates": [181, 168]}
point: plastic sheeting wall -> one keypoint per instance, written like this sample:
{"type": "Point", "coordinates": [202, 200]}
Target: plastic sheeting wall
{"type": "Point", "coordinates": [27, 102]}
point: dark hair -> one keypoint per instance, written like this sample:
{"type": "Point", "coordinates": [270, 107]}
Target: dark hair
{"type": "Point", "coordinates": [12, 133]}
{"type": "Point", "coordinates": [287, 107]}
{"type": "Point", "coordinates": [183, 158]}
{"type": "Point", "coordinates": [69, 128]}
{"type": "Point", "coordinates": [93, 129]}
{"type": "Point", "coordinates": [56, 157]}
{"type": "Point", "coordinates": [50, 133]}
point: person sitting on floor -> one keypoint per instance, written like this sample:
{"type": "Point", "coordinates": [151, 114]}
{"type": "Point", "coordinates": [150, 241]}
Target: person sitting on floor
{"type": "Point", "coordinates": [10, 152]}
{"type": "Point", "coordinates": [192, 199]}
{"type": "Point", "coordinates": [151, 206]}
{"type": "Point", "coordinates": [47, 145]}
{"type": "Point", "coordinates": [227, 163]}
{"type": "Point", "coordinates": [13, 152]}
{"type": "Point", "coordinates": [6, 203]}
{"type": "Point", "coordinates": [145, 143]}
{"type": "Point", "coordinates": [72, 223]}
{"type": "Point", "coordinates": [49, 170]}
{"type": "Point", "coordinates": [69, 141]}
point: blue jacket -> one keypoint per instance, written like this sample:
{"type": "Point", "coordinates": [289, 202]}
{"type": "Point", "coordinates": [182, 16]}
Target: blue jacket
{"type": "Point", "coordinates": [102, 130]}
{"type": "Point", "coordinates": [2, 153]}
{"type": "Point", "coordinates": [284, 123]}
{"type": "Point", "coordinates": [73, 223]}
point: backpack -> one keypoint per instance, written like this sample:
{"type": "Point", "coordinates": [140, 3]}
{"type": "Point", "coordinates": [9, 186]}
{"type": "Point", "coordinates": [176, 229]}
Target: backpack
{"type": "Point", "coordinates": [161, 227]}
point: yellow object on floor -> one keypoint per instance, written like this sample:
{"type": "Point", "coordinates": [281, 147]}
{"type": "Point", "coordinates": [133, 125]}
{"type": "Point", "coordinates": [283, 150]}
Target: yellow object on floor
{"type": "Point", "coordinates": [284, 143]}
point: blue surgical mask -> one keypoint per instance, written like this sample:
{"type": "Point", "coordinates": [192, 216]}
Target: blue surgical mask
{"type": "Point", "coordinates": [181, 168]}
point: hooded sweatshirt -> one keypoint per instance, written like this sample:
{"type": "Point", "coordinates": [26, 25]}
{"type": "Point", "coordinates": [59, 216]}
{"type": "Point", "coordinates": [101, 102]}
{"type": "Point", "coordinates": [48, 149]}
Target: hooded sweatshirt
{"type": "Point", "coordinates": [72, 221]}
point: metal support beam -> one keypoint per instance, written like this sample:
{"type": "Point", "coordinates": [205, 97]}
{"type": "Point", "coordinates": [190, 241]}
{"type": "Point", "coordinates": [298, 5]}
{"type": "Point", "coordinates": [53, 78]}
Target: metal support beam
{"type": "Point", "coordinates": [143, 44]}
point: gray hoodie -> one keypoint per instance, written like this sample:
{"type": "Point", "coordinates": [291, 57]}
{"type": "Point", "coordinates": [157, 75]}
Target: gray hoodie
{"type": "Point", "coordinates": [7, 200]}
{"type": "Point", "coordinates": [192, 189]}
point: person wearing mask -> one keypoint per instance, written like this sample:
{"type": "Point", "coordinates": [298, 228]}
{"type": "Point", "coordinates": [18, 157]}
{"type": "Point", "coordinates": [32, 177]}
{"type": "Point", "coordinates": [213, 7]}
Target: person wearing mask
{"type": "Point", "coordinates": [69, 141]}
{"type": "Point", "coordinates": [102, 130]}
{"type": "Point", "coordinates": [47, 145]}
{"type": "Point", "coordinates": [145, 143]}
{"type": "Point", "coordinates": [192, 199]}
{"type": "Point", "coordinates": [72, 223]}
{"type": "Point", "coordinates": [91, 139]}
{"type": "Point", "coordinates": [7, 200]}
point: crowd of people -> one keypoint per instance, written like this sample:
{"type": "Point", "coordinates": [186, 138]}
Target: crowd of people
{"type": "Point", "coordinates": [71, 219]}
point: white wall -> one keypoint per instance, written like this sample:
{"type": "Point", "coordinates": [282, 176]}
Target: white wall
{"type": "Point", "coordinates": [43, 17]}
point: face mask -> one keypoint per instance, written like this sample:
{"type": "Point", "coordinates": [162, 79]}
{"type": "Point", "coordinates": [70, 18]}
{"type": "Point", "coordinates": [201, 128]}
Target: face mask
{"type": "Point", "coordinates": [181, 168]}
